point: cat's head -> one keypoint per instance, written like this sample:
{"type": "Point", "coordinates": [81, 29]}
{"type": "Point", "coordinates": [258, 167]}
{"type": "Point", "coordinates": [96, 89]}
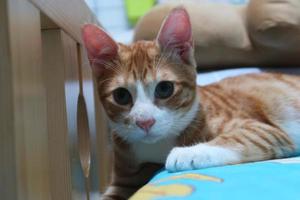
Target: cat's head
{"type": "Point", "coordinates": [148, 89]}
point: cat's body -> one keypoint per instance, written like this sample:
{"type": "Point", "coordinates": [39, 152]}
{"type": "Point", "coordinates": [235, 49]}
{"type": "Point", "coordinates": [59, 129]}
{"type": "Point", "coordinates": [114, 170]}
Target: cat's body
{"type": "Point", "coordinates": [263, 100]}
{"type": "Point", "coordinates": [258, 115]}
{"type": "Point", "coordinates": [159, 117]}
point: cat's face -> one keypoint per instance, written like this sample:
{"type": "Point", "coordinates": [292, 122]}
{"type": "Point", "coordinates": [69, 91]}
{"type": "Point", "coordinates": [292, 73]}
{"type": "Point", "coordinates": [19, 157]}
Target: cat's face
{"type": "Point", "coordinates": [148, 89]}
{"type": "Point", "coordinates": [146, 96]}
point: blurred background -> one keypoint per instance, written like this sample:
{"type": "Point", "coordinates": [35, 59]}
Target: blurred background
{"type": "Point", "coordinates": [118, 17]}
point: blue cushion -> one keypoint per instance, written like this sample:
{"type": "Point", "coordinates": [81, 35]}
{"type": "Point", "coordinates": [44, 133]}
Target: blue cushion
{"type": "Point", "coordinates": [274, 180]}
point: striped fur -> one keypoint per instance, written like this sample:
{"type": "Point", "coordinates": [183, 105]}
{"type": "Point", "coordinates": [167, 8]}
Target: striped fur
{"type": "Point", "coordinates": [248, 118]}
{"type": "Point", "coordinates": [245, 114]}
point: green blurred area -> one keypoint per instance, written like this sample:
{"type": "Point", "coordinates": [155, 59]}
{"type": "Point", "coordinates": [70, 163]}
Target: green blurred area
{"type": "Point", "coordinates": [137, 8]}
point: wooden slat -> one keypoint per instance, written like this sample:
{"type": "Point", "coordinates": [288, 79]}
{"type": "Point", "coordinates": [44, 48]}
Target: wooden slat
{"type": "Point", "coordinates": [68, 15]}
{"type": "Point", "coordinates": [23, 103]}
{"type": "Point", "coordinates": [63, 80]}
{"type": "Point", "coordinates": [38, 136]}
{"type": "Point", "coordinates": [79, 81]}
{"type": "Point", "coordinates": [54, 76]}
{"type": "Point", "coordinates": [72, 91]}
{"type": "Point", "coordinates": [8, 179]}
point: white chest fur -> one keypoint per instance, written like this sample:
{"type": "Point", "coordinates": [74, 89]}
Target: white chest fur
{"type": "Point", "coordinates": [155, 153]}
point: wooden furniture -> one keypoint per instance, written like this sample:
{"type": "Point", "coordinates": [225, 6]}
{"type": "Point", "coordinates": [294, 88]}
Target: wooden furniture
{"type": "Point", "coordinates": [52, 130]}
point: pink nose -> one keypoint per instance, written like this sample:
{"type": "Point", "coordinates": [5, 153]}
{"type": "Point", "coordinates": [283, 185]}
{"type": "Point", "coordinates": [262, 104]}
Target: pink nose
{"type": "Point", "coordinates": [145, 124]}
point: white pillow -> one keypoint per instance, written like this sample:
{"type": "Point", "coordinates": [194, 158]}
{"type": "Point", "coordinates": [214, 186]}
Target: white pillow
{"type": "Point", "coordinates": [211, 77]}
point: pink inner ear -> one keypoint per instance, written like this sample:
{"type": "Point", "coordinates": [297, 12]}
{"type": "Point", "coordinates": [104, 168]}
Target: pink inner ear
{"type": "Point", "coordinates": [176, 31]}
{"type": "Point", "coordinates": [100, 46]}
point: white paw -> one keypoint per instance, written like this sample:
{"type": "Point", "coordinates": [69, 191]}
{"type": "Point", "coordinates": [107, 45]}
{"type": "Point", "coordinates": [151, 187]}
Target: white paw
{"type": "Point", "coordinates": [199, 156]}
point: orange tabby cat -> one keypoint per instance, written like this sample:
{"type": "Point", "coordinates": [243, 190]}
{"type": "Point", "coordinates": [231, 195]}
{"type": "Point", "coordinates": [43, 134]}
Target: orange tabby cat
{"type": "Point", "coordinates": [160, 117]}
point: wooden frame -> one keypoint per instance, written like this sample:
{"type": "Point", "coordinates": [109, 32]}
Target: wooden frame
{"type": "Point", "coordinates": [53, 134]}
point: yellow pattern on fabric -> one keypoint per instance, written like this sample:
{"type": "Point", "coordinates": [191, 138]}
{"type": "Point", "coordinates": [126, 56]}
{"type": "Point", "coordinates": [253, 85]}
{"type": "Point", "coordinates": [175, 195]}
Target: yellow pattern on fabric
{"type": "Point", "coordinates": [153, 190]}
{"type": "Point", "coordinates": [150, 191]}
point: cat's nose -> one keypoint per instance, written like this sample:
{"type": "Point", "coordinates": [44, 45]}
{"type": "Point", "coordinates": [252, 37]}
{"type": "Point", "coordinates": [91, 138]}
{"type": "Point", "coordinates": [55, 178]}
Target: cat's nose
{"type": "Point", "coordinates": [145, 124]}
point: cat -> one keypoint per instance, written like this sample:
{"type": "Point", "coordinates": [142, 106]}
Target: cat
{"type": "Point", "coordinates": [160, 117]}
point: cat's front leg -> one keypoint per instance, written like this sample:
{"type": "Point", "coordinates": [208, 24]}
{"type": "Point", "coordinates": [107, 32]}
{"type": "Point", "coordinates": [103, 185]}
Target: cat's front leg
{"type": "Point", "coordinates": [253, 141]}
{"type": "Point", "coordinates": [200, 156]}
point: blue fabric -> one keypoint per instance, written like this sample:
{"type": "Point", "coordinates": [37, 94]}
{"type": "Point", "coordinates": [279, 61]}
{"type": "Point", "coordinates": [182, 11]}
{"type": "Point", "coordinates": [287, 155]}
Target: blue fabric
{"type": "Point", "coordinates": [274, 180]}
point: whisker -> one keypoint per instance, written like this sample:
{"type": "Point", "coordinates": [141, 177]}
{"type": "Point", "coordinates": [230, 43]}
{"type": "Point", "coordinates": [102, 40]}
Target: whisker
{"type": "Point", "coordinates": [108, 65]}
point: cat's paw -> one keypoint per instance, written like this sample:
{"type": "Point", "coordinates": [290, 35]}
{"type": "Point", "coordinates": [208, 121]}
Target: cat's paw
{"type": "Point", "coordinates": [199, 156]}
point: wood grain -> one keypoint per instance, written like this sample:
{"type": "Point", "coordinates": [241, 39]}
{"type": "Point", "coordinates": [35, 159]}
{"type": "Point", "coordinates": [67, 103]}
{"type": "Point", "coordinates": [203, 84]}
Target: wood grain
{"type": "Point", "coordinates": [57, 124]}
{"type": "Point", "coordinates": [23, 100]}
{"type": "Point", "coordinates": [68, 15]}
{"type": "Point", "coordinates": [8, 179]}
{"type": "Point", "coordinates": [41, 77]}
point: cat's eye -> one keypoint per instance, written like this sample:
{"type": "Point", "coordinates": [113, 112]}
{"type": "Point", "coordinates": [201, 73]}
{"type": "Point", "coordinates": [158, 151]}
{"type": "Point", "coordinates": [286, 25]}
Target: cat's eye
{"type": "Point", "coordinates": [164, 89]}
{"type": "Point", "coordinates": [122, 96]}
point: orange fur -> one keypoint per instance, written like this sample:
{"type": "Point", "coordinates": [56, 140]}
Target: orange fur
{"type": "Point", "coordinates": [256, 116]}
{"type": "Point", "coordinates": [244, 112]}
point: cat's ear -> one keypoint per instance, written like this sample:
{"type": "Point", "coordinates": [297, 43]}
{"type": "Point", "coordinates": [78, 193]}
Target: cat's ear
{"type": "Point", "coordinates": [175, 36]}
{"type": "Point", "coordinates": [101, 48]}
